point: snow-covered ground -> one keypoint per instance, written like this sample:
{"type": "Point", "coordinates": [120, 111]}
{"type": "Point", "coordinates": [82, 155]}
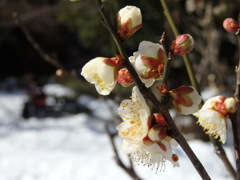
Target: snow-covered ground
{"type": "Point", "coordinates": [77, 148]}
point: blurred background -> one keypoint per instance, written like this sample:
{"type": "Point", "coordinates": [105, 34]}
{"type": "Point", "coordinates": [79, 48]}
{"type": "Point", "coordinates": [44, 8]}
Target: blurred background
{"type": "Point", "coordinates": [52, 124]}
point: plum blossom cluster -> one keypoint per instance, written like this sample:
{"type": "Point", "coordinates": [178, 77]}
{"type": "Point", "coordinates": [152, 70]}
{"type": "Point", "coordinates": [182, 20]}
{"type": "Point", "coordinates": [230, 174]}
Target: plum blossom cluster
{"type": "Point", "coordinates": [213, 115]}
{"type": "Point", "coordinates": [148, 61]}
{"type": "Point", "coordinates": [144, 135]}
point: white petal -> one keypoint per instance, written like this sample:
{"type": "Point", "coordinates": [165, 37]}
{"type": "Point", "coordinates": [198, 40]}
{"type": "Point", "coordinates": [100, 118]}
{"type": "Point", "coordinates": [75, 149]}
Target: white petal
{"type": "Point", "coordinates": [207, 103]}
{"type": "Point", "coordinates": [130, 12]}
{"type": "Point", "coordinates": [213, 123]}
{"type": "Point", "coordinates": [102, 75]}
{"type": "Point", "coordinates": [135, 114]}
{"type": "Point", "coordinates": [106, 73]}
{"type": "Point", "coordinates": [90, 69]}
{"type": "Point", "coordinates": [147, 48]}
{"type": "Point", "coordinates": [189, 110]}
{"type": "Point", "coordinates": [140, 68]}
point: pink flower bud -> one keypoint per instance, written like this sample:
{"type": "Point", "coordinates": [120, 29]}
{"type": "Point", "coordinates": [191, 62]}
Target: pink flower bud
{"type": "Point", "coordinates": [125, 78]}
{"type": "Point", "coordinates": [129, 20]}
{"type": "Point", "coordinates": [231, 105]}
{"type": "Point", "coordinates": [230, 25]}
{"type": "Point", "coordinates": [182, 45]}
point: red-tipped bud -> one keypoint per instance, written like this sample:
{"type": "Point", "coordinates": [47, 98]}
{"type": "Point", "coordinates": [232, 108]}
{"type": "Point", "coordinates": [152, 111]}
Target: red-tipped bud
{"type": "Point", "coordinates": [231, 105]}
{"type": "Point", "coordinates": [125, 78]}
{"type": "Point", "coordinates": [182, 45]}
{"type": "Point", "coordinates": [230, 25]}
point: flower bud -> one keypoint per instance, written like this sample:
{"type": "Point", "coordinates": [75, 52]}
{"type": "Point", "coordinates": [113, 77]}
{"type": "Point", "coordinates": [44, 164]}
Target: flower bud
{"type": "Point", "coordinates": [125, 78]}
{"type": "Point", "coordinates": [231, 105]}
{"type": "Point", "coordinates": [153, 133]}
{"type": "Point", "coordinates": [129, 20]}
{"type": "Point", "coordinates": [230, 25]}
{"type": "Point", "coordinates": [182, 45]}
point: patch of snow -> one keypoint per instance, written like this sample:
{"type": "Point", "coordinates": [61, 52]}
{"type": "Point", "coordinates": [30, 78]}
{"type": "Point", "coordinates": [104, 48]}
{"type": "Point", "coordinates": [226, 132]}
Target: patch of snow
{"type": "Point", "coordinates": [77, 148]}
{"type": "Point", "coordinates": [58, 90]}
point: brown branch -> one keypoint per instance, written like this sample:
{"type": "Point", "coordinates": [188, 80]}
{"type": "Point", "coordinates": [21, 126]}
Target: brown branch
{"type": "Point", "coordinates": [235, 118]}
{"type": "Point", "coordinates": [163, 109]}
{"type": "Point", "coordinates": [129, 170]}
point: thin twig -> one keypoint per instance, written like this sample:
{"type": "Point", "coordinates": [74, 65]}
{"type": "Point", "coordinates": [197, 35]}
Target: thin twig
{"type": "Point", "coordinates": [163, 109]}
{"type": "Point", "coordinates": [45, 56]}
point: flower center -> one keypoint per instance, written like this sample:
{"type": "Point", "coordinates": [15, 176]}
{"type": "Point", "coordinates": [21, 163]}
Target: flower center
{"type": "Point", "coordinates": [97, 80]}
{"type": "Point", "coordinates": [211, 128]}
{"type": "Point", "coordinates": [131, 131]}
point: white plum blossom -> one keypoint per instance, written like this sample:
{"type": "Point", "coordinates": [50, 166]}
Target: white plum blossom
{"type": "Point", "coordinates": [102, 72]}
{"type": "Point", "coordinates": [186, 99]}
{"type": "Point", "coordinates": [147, 60]}
{"type": "Point", "coordinates": [135, 114]}
{"type": "Point", "coordinates": [213, 115]}
{"type": "Point", "coordinates": [129, 20]}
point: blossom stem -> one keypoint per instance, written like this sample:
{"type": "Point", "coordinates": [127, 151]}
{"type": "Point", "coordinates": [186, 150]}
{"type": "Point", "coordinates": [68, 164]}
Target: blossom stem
{"type": "Point", "coordinates": [217, 145]}
{"type": "Point", "coordinates": [236, 140]}
{"type": "Point", "coordinates": [167, 66]}
{"type": "Point", "coordinates": [147, 93]}
{"type": "Point", "coordinates": [166, 70]}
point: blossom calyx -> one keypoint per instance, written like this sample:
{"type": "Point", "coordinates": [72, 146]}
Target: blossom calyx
{"type": "Point", "coordinates": [125, 78]}
{"type": "Point", "coordinates": [230, 25]}
{"type": "Point", "coordinates": [186, 99]}
{"type": "Point", "coordinates": [129, 20]}
{"type": "Point", "coordinates": [182, 45]}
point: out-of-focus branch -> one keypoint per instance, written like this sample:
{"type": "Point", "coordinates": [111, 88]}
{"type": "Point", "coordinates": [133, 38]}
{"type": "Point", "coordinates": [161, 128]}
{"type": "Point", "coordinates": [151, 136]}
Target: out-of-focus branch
{"type": "Point", "coordinates": [147, 93]}
{"type": "Point", "coordinates": [45, 56]}
{"type": "Point", "coordinates": [129, 170]}
{"type": "Point", "coordinates": [217, 145]}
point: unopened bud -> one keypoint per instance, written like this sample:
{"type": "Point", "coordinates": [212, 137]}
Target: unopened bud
{"type": "Point", "coordinates": [125, 78]}
{"type": "Point", "coordinates": [230, 25]}
{"type": "Point", "coordinates": [231, 105]}
{"type": "Point", "coordinates": [153, 133]}
{"type": "Point", "coordinates": [182, 45]}
{"type": "Point", "coordinates": [129, 20]}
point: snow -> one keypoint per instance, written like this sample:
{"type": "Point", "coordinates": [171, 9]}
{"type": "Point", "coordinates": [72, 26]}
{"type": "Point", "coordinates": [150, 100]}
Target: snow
{"type": "Point", "coordinates": [58, 90]}
{"type": "Point", "coordinates": [77, 148]}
